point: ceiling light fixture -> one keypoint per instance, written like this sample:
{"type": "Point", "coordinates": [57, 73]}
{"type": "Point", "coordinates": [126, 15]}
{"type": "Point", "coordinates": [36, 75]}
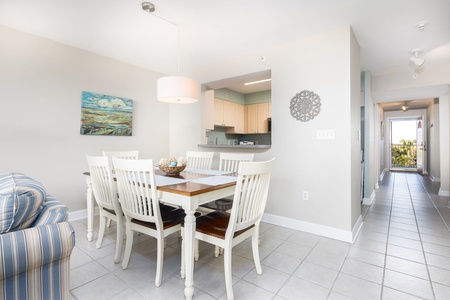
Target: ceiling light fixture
{"type": "Point", "coordinates": [174, 89]}
{"type": "Point", "coordinates": [405, 107]}
{"type": "Point", "coordinates": [415, 59]}
{"type": "Point", "coordinates": [258, 81]}
{"type": "Point", "coordinates": [421, 25]}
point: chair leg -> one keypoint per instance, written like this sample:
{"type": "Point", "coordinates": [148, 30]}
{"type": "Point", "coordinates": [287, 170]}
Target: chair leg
{"type": "Point", "coordinates": [255, 248]}
{"type": "Point", "coordinates": [101, 232]}
{"type": "Point", "coordinates": [228, 277]}
{"type": "Point", "coordinates": [159, 260]}
{"type": "Point", "coordinates": [216, 251]}
{"type": "Point", "coordinates": [108, 224]}
{"type": "Point", "coordinates": [128, 245]}
{"type": "Point", "coordinates": [119, 241]}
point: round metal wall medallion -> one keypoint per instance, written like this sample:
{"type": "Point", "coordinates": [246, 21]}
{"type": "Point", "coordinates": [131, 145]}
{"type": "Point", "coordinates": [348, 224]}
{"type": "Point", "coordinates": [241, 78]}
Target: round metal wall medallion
{"type": "Point", "coordinates": [305, 106]}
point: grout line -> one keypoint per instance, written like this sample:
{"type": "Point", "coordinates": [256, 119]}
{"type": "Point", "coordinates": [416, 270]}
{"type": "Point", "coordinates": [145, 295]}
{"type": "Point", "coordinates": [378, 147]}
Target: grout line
{"type": "Point", "coordinates": [418, 231]}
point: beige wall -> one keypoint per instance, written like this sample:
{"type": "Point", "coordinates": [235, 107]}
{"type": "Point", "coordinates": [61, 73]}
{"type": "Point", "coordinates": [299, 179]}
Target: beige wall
{"type": "Point", "coordinates": [40, 95]}
{"type": "Point", "coordinates": [327, 64]}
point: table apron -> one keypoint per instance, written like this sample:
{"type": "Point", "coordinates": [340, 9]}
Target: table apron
{"type": "Point", "coordinates": [191, 203]}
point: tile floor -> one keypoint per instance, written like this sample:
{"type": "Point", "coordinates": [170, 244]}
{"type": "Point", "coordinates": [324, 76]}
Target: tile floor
{"type": "Point", "coordinates": [402, 252]}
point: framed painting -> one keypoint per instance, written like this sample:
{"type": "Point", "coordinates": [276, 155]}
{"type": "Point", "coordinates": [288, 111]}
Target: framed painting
{"type": "Point", "coordinates": [105, 115]}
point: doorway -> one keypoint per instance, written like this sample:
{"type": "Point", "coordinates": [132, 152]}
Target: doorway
{"type": "Point", "coordinates": [407, 145]}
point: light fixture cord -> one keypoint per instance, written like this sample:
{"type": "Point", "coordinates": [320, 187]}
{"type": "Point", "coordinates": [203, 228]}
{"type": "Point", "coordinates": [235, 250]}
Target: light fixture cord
{"type": "Point", "coordinates": [178, 32]}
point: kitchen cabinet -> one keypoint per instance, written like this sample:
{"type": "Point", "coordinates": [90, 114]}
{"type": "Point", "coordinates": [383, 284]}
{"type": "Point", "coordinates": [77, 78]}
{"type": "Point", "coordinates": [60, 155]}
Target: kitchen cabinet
{"type": "Point", "coordinates": [223, 113]}
{"type": "Point", "coordinates": [257, 115]}
{"type": "Point", "coordinates": [239, 118]}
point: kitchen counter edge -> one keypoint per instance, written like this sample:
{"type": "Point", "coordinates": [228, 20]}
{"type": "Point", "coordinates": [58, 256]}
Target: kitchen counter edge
{"type": "Point", "coordinates": [235, 146]}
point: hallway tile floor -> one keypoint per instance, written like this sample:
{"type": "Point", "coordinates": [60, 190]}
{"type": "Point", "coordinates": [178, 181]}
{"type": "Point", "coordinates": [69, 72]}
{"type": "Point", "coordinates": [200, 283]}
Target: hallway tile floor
{"type": "Point", "coordinates": [402, 252]}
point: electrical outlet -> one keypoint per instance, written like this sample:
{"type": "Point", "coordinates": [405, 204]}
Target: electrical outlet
{"type": "Point", "coordinates": [305, 195]}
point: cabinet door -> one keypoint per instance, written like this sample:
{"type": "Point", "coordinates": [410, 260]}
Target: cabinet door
{"type": "Point", "coordinates": [263, 114]}
{"type": "Point", "coordinates": [218, 112]}
{"type": "Point", "coordinates": [208, 110]}
{"type": "Point", "coordinates": [252, 118]}
{"type": "Point", "coordinates": [228, 113]}
{"type": "Point", "coordinates": [239, 118]}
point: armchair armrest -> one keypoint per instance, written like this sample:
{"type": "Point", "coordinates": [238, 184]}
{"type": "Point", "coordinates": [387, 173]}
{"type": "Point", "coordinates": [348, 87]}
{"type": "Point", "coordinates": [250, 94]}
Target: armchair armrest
{"type": "Point", "coordinates": [53, 212]}
{"type": "Point", "coordinates": [31, 248]}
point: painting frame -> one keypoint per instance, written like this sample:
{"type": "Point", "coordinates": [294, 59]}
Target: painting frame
{"type": "Point", "coordinates": [106, 115]}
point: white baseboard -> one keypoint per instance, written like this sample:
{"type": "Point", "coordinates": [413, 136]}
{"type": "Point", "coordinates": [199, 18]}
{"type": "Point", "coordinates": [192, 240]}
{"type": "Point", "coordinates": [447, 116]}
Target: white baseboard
{"type": "Point", "coordinates": [382, 175]}
{"type": "Point", "coordinates": [369, 201]}
{"type": "Point", "coordinates": [434, 179]}
{"type": "Point", "coordinates": [80, 214]}
{"type": "Point", "coordinates": [322, 230]}
{"type": "Point", "coordinates": [443, 193]}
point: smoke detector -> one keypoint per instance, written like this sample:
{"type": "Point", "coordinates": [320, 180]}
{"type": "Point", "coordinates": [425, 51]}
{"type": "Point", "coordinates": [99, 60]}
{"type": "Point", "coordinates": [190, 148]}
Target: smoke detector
{"type": "Point", "coordinates": [148, 7]}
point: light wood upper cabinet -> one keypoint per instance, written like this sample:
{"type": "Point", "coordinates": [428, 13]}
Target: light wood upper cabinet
{"type": "Point", "coordinates": [223, 113]}
{"type": "Point", "coordinates": [257, 115]}
{"type": "Point", "coordinates": [252, 118]}
{"type": "Point", "coordinates": [239, 118]}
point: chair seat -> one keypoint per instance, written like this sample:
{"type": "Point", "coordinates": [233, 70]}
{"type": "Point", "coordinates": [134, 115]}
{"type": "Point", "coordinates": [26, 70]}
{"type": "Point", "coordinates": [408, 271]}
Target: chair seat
{"type": "Point", "coordinates": [111, 211]}
{"type": "Point", "coordinates": [170, 217]}
{"type": "Point", "coordinates": [221, 204]}
{"type": "Point", "coordinates": [215, 224]}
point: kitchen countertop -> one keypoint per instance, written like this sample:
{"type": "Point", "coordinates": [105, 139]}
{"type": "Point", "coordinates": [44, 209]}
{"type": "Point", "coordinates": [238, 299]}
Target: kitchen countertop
{"type": "Point", "coordinates": [235, 146]}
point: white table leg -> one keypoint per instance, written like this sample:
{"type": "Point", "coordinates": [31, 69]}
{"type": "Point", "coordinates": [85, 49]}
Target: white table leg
{"type": "Point", "coordinates": [189, 234]}
{"type": "Point", "coordinates": [90, 209]}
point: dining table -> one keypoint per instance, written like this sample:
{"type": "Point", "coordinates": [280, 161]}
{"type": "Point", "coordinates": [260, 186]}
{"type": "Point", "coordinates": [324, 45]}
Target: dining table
{"type": "Point", "coordinates": [190, 189]}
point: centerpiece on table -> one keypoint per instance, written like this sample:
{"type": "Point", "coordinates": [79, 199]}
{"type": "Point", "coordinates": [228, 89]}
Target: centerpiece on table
{"type": "Point", "coordinates": [172, 166]}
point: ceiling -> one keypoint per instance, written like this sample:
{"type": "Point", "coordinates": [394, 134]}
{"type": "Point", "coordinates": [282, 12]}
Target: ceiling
{"type": "Point", "coordinates": [210, 31]}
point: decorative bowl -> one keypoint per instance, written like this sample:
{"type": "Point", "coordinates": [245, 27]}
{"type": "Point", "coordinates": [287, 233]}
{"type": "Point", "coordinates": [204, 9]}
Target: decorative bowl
{"type": "Point", "coordinates": [172, 171]}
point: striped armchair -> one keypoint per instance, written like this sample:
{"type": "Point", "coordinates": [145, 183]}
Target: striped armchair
{"type": "Point", "coordinates": [34, 261]}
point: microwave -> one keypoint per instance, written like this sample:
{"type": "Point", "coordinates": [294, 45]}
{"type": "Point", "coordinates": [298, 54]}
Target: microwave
{"type": "Point", "coordinates": [269, 124]}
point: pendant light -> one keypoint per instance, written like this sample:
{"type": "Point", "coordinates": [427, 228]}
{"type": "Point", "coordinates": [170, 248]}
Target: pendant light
{"type": "Point", "coordinates": [175, 89]}
{"type": "Point", "coordinates": [405, 107]}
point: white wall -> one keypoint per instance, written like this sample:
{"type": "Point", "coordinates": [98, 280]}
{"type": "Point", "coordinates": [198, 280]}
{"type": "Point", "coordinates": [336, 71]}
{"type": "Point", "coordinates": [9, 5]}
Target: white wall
{"type": "Point", "coordinates": [40, 95]}
{"type": "Point", "coordinates": [444, 136]}
{"type": "Point", "coordinates": [327, 169]}
{"type": "Point", "coordinates": [433, 144]}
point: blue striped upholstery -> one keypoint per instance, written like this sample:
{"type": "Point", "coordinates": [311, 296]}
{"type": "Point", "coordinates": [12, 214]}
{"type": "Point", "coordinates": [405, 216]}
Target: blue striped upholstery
{"type": "Point", "coordinates": [21, 201]}
{"type": "Point", "coordinates": [53, 212]}
{"type": "Point", "coordinates": [35, 262]}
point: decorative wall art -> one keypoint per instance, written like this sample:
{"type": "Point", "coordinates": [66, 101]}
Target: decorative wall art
{"type": "Point", "coordinates": [106, 115]}
{"type": "Point", "coordinates": [305, 106]}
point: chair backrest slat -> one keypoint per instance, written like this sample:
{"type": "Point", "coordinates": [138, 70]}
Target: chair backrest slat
{"type": "Point", "coordinates": [230, 161]}
{"type": "Point", "coordinates": [102, 181]}
{"type": "Point", "coordinates": [250, 195]}
{"type": "Point", "coordinates": [199, 159]}
{"type": "Point", "coordinates": [134, 179]}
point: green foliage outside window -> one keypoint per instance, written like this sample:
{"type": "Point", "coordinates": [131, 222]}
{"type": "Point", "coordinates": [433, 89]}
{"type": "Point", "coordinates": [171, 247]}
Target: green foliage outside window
{"type": "Point", "coordinates": [404, 154]}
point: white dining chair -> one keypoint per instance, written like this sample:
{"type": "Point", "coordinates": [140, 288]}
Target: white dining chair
{"type": "Point", "coordinates": [105, 194]}
{"type": "Point", "coordinates": [143, 211]}
{"type": "Point", "coordinates": [199, 159]}
{"type": "Point", "coordinates": [227, 230]}
{"type": "Point", "coordinates": [228, 162]}
{"type": "Point", "coordinates": [126, 154]}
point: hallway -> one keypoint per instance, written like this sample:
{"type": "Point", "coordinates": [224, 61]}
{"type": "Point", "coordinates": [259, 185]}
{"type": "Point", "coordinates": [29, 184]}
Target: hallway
{"type": "Point", "coordinates": [409, 224]}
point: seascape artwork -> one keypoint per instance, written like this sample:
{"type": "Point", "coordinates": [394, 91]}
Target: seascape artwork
{"type": "Point", "coordinates": [106, 115]}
